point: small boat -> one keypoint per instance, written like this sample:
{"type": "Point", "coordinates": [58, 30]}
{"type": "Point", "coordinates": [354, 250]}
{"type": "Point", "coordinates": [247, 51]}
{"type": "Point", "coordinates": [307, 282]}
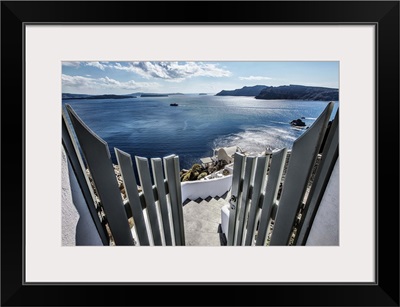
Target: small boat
{"type": "Point", "coordinates": [298, 123]}
{"type": "Point", "coordinates": [174, 104]}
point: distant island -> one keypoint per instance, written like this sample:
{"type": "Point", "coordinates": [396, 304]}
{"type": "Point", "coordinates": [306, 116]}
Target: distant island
{"type": "Point", "coordinates": [299, 92]}
{"type": "Point", "coordinates": [244, 91]}
{"type": "Point", "coordinates": [154, 95]}
{"type": "Point", "coordinates": [201, 94]}
{"type": "Point", "coordinates": [287, 92]}
{"type": "Point", "coordinates": [67, 96]}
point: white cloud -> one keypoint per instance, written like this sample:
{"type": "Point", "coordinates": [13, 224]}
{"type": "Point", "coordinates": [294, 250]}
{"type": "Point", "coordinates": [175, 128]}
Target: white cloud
{"type": "Point", "coordinates": [71, 64]}
{"type": "Point", "coordinates": [174, 71]}
{"type": "Point", "coordinates": [252, 78]}
{"type": "Point", "coordinates": [80, 82]}
{"type": "Point", "coordinates": [97, 65]}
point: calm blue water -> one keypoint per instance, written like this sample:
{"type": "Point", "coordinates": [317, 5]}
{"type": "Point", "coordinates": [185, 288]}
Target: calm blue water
{"type": "Point", "coordinates": [150, 127]}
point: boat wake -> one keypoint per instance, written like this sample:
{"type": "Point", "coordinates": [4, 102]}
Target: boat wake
{"type": "Point", "coordinates": [258, 139]}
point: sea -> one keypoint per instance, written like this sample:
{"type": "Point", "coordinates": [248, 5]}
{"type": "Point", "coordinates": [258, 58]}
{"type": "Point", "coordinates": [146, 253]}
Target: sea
{"type": "Point", "coordinates": [150, 127]}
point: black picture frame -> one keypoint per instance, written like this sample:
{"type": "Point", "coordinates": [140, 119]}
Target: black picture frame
{"type": "Point", "coordinates": [383, 14]}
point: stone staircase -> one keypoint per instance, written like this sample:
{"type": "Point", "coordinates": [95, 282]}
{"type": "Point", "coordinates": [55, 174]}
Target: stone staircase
{"type": "Point", "coordinates": [202, 218]}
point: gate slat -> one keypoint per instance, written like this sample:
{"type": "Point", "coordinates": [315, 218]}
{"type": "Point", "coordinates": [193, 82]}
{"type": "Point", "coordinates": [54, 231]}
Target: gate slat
{"type": "Point", "coordinates": [177, 183]}
{"type": "Point", "coordinates": [271, 192]}
{"type": "Point", "coordinates": [128, 176]}
{"type": "Point", "coordinates": [329, 156]}
{"type": "Point", "coordinates": [98, 159]}
{"type": "Point", "coordinates": [235, 195]}
{"type": "Point", "coordinates": [249, 164]}
{"type": "Point", "coordinates": [302, 158]}
{"type": "Point", "coordinates": [171, 165]}
{"type": "Point", "coordinates": [158, 175]}
{"type": "Point", "coordinates": [147, 186]}
{"type": "Point", "coordinates": [259, 181]}
{"type": "Point", "coordinates": [75, 158]}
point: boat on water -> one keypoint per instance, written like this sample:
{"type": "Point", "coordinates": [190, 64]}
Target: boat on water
{"type": "Point", "coordinates": [298, 123]}
{"type": "Point", "coordinates": [173, 104]}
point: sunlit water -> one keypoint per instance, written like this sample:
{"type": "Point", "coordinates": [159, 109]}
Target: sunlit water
{"type": "Point", "coordinates": [150, 127]}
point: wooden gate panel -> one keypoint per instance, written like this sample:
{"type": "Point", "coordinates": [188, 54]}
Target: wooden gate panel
{"type": "Point", "coordinates": [302, 158]}
{"type": "Point", "coordinates": [159, 181]}
{"type": "Point", "coordinates": [147, 186]}
{"type": "Point", "coordinates": [271, 193]}
{"type": "Point", "coordinates": [329, 156]}
{"type": "Point", "coordinates": [171, 167]}
{"type": "Point", "coordinates": [131, 188]}
{"type": "Point", "coordinates": [237, 184]}
{"type": "Point", "coordinates": [97, 155]}
{"type": "Point", "coordinates": [260, 175]}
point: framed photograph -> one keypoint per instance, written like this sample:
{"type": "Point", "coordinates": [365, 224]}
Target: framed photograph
{"type": "Point", "coordinates": [179, 55]}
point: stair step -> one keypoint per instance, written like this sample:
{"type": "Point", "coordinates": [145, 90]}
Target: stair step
{"type": "Point", "coordinates": [194, 238]}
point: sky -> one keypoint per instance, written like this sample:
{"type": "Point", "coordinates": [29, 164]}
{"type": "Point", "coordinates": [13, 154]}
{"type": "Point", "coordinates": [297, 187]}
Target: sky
{"type": "Point", "coordinates": [98, 78]}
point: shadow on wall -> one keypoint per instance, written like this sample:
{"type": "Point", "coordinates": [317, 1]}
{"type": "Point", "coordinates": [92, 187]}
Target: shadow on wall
{"type": "Point", "coordinates": [78, 228]}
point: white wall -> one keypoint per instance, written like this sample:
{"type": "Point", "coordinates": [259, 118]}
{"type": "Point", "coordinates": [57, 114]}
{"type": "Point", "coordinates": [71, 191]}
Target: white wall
{"type": "Point", "coordinates": [325, 228]}
{"type": "Point", "coordinates": [204, 188]}
{"type": "Point", "coordinates": [69, 214]}
{"type": "Point", "coordinates": [78, 227]}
